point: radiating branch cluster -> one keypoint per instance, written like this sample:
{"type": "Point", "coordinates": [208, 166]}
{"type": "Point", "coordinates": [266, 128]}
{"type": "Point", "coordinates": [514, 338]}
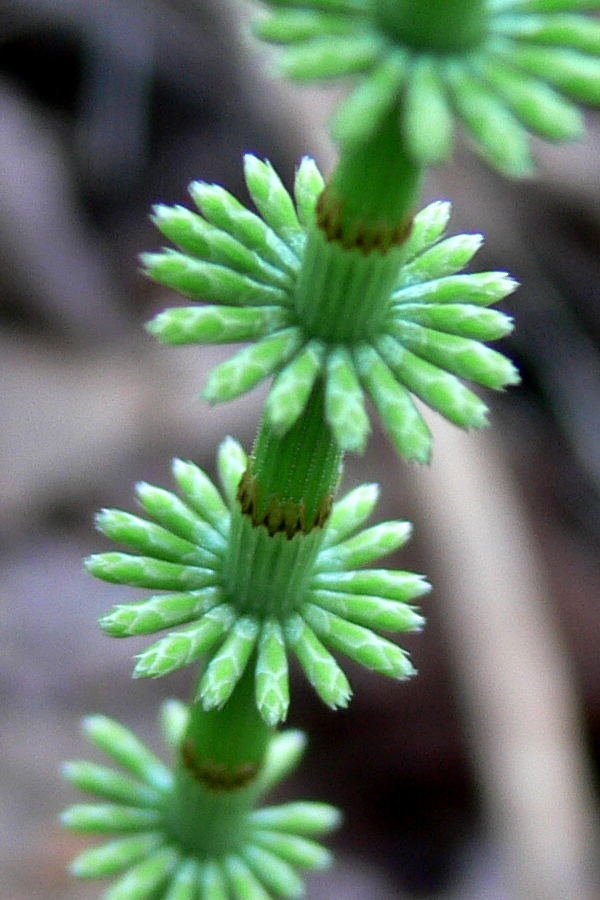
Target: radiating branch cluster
{"type": "Point", "coordinates": [147, 860]}
{"type": "Point", "coordinates": [534, 58]}
{"type": "Point", "coordinates": [431, 333]}
{"type": "Point", "coordinates": [181, 553]}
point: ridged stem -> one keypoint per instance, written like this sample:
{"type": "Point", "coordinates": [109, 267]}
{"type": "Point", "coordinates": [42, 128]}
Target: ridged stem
{"type": "Point", "coordinates": [342, 295]}
{"type": "Point", "coordinates": [443, 26]}
{"type": "Point", "coordinates": [268, 574]}
{"type": "Point", "coordinates": [289, 485]}
{"type": "Point", "coordinates": [215, 775]}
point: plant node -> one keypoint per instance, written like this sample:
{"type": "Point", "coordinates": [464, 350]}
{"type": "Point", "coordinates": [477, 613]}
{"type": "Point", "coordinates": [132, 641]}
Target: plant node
{"type": "Point", "coordinates": [280, 516]}
{"type": "Point", "coordinates": [216, 776]}
{"type": "Point", "coordinates": [364, 234]}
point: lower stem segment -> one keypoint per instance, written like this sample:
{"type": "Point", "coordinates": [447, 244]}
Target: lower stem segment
{"type": "Point", "coordinates": [215, 775]}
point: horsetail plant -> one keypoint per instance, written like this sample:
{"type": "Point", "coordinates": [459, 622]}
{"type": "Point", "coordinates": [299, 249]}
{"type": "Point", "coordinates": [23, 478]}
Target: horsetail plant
{"type": "Point", "coordinates": [341, 291]}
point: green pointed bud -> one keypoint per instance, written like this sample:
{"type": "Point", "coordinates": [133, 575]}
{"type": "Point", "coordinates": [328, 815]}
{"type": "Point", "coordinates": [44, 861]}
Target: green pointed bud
{"type": "Point", "coordinates": [271, 198]}
{"type": "Point", "coordinates": [286, 749]}
{"type": "Point", "coordinates": [344, 402]}
{"type": "Point", "coordinates": [391, 584]}
{"type": "Point", "coordinates": [573, 73]}
{"type": "Point", "coordinates": [298, 851]}
{"type": "Point", "coordinates": [201, 494]}
{"type": "Point", "coordinates": [174, 718]}
{"type": "Point", "coordinates": [186, 882]}
{"type": "Point", "coordinates": [208, 281]}
{"type": "Point", "coordinates": [145, 878]}
{"type": "Point", "coordinates": [187, 230]}
{"type": "Point", "coordinates": [160, 612]}
{"type": "Point", "coordinates": [442, 259]}
{"type": "Point", "coordinates": [480, 288]}
{"type": "Point", "coordinates": [276, 874]}
{"type": "Point", "coordinates": [142, 571]}
{"type": "Point", "coordinates": [464, 357]}
{"type": "Point", "coordinates": [193, 235]}
{"type": "Point", "coordinates": [328, 6]}
{"type": "Point", "coordinates": [318, 664]}
{"type": "Point", "coordinates": [243, 882]}
{"type": "Point", "coordinates": [302, 817]}
{"type": "Point", "coordinates": [360, 114]}
{"type": "Point", "coordinates": [427, 121]}
{"type": "Point", "coordinates": [106, 818]}
{"type": "Point", "coordinates": [151, 539]}
{"type": "Point", "coordinates": [216, 324]}
{"type": "Point", "coordinates": [360, 644]}
{"type": "Point", "coordinates": [371, 612]}
{"type": "Point", "coordinates": [115, 856]}
{"type": "Point", "coordinates": [185, 646]}
{"type": "Point", "coordinates": [439, 389]}
{"type": "Point", "coordinates": [329, 57]}
{"type": "Point", "coordinates": [351, 512]}
{"type": "Point", "coordinates": [272, 687]}
{"type": "Point", "coordinates": [308, 185]}
{"type": "Point", "coordinates": [499, 137]}
{"type": "Point", "coordinates": [401, 419]}
{"type": "Point", "coordinates": [292, 387]}
{"type": "Point", "coordinates": [252, 364]}
{"type": "Point", "coordinates": [292, 25]}
{"type": "Point", "coordinates": [227, 665]}
{"type": "Point", "coordinates": [232, 461]}
{"type": "Point", "coordinates": [463, 319]}
{"type": "Point", "coordinates": [539, 107]}
{"type": "Point", "coordinates": [212, 882]}
{"type": "Point", "coordinates": [366, 546]}
{"type": "Point", "coordinates": [226, 212]}
{"type": "Point", "coordinates": [175, 515]}
{"type": "Point", "coordinates": [125, 748]}
{"type": "Point", "coordinates": [108, 784]}
{"type": "Point", "coordinates": [579, 32]}
{"type": "Point", "coordinates": [429, 225]}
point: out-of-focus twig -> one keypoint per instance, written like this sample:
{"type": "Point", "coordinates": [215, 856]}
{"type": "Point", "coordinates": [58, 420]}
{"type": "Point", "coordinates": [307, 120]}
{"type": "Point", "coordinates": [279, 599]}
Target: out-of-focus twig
{"type": "Point", "coordinates": [520, 704]}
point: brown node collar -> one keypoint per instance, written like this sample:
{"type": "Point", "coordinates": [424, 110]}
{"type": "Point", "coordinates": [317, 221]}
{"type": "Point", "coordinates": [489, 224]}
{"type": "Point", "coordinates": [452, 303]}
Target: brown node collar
{"type": "Point", "coordinates": [279, 516]}
{"type": "Point", "coordinates": [216, 776]}
{"type": "Point", "coordinates": [362, 234]}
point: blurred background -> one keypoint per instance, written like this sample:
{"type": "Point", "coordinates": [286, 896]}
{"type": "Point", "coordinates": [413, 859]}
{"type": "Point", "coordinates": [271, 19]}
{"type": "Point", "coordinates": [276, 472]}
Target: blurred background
{"type": "Point", "coordinates": [480, 778]}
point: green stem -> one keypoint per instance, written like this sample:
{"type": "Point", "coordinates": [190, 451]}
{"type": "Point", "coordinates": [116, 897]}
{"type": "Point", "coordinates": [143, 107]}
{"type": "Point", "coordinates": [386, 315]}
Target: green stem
{"type": "Point", "coordinates": [285, 498]}
{"type": "Point", "coordinates": [268, 574]}
{"type": "Point", "coordinates": [342, 295]}
{"type": "Point", "coordinates": [289, 485]}
{"type": "Point", "coordinates": [371, 197]}
{"type": "Point", "coordinates": [215, 776]}
{"type": "Point", "coordinates": [441, 26]}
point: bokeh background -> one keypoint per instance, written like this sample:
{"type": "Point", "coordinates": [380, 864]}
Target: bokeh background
{"type": "Point", "coordinates": [477, 781]}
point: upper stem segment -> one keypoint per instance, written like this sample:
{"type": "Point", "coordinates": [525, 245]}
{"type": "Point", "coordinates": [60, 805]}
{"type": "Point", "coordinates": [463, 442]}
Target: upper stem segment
{"type": "Point", "coordinates": [440, 26]}
{"type": "Point", "coordinates": [371, 197]}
